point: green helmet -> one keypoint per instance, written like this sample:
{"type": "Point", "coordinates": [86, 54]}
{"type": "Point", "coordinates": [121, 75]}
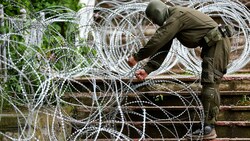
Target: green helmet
{"type": "Point", "coordinates": [157, 11]}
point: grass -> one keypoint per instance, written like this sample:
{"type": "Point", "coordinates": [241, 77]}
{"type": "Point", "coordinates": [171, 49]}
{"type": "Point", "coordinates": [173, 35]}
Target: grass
{"type": "Point", "coordinates": [245, 101]}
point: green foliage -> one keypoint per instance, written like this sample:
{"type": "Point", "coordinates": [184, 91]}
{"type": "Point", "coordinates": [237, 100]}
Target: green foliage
{"type": "Point", "coordinates": [42, 4]}
{"type": "Point", "coordinates": [13, 7]}
{"type": "Point", "coordinates": [84, 49]}
{"type": "Point", "coordinates": [245, 101]}
{"type": "Point", "coordinates": [11, 84]}
{"type": "Point", "coordinates": [5, 105]}
{"type": "Point", "coordinates": [21, 57]}
{"type": "Point", "coordinates": [25, 58]}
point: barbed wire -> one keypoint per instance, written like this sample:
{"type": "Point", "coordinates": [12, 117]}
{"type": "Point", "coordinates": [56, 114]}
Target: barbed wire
{"type": "Point", "coordinates": [45, 69]}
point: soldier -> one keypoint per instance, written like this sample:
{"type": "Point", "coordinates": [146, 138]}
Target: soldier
{"type": "Point", "coordinates": [193, 29]}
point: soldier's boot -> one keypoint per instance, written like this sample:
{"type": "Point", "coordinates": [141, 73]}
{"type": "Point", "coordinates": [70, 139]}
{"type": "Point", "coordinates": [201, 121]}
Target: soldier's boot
{"type": "Point", "coordinates": [211, 103]}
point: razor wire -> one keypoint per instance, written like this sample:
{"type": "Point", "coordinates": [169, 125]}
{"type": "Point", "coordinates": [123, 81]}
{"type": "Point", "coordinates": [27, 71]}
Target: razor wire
{"type": "Point", "coordinates": [45, 66]}
{"type": "Point", "coordinates": [233, 13]}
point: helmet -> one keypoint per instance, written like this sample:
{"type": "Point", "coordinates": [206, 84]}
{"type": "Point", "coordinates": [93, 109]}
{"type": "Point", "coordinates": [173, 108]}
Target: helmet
{"type": "Point", "coordinates": [157, 11]}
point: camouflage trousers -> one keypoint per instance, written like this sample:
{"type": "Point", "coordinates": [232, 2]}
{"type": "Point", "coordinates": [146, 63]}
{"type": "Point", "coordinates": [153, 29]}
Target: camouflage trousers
{"type": "Point", "coordinates": [214, 66]}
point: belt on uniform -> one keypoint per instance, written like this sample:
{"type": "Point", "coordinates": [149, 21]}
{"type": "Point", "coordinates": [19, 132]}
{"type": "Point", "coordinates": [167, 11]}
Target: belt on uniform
{"type": "Point", "coordinates": [217, 33]}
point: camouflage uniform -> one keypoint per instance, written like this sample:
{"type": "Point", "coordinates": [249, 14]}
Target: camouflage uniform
{"type": "Point", "coordinates": [190, 27]}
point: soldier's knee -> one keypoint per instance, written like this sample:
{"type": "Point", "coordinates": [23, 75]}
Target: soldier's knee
{"type": "Point", "coordinates": [212, 72]}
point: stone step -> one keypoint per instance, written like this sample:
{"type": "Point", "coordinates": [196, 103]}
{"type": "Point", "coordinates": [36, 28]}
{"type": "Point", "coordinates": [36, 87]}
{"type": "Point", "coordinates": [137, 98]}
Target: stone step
{"type": "Point", "coordinates": [173, 129]}
{"type": "Point", "coordinates": [233, 113]}
{"type": "Point", "coordinates": [170, 108]}
{"type": "Point", "coordinates": [234, 82]}
{"type": "Point", "coordinates": [232, 124]}
{"type": "Point", "coordinates": [167, 122]}
{"type": "Point", "coordinates": [234, 90]}
{"type": "Point", "coordinates": [168, 99]}
{"type": "Point", "coordinates": [11, 122]}
{"type": "Point", "coordinates": [148, 93]}
{"type": "Point", "coordinates": [227, 97]}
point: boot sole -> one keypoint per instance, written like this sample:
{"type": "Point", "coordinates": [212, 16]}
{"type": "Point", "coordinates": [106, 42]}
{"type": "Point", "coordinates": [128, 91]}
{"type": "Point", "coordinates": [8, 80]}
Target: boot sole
{"type": "Point", "coordinates": [202, 137]}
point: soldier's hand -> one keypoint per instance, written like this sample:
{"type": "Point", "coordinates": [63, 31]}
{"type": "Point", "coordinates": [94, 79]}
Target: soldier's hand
{"type": "Point", "coordinates": [131, 61]}
{"type": "Point", "coordinates": [141, 74]}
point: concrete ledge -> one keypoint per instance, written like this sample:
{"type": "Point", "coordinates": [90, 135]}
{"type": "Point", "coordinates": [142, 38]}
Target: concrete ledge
{"type": "Point", "coordinates": [185, 78]}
